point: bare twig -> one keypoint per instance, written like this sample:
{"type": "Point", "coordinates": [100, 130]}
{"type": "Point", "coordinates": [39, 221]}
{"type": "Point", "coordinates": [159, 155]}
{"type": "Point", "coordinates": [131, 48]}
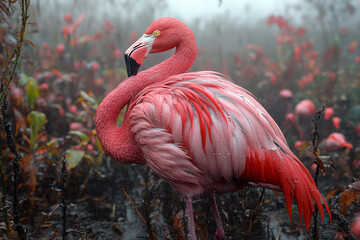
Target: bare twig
{"type": "Point", "coordinates": [315, 137]}
{"type": "Point", "coordinates": [3, 198]}
{"type": "Point", "coordinates": [132, 203]}
{"type": "Point", "coordinates": [63, 194]}
{"type": "Point", "coordinates": [17, 52]}
{"type": "Point", "coordinates": [136, 209]}
{"type": "Point", "coordinates": [255, 213]}
{"type": "Point", "coordinates": [24, 4]}
{"type": "Point", "coordinates": [15, 179]}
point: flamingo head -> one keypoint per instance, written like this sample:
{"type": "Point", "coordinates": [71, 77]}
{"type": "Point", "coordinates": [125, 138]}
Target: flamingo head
{"type": "Point", "coordinates": [162, 35]}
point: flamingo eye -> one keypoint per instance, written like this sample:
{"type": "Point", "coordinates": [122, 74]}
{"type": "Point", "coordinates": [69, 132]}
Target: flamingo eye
{"type": "Point", "coordinates": [156, 33]}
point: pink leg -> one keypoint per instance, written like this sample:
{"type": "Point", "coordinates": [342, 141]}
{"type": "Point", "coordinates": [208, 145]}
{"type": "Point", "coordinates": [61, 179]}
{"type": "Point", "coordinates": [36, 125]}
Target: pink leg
{"type": "Point", "coordinates": [191, 224]}
{"type": "Point", "coordinates": [220, 234]}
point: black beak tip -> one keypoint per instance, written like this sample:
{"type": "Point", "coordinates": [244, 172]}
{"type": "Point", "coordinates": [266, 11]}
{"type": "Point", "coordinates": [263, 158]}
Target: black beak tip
{"type": "Point", "coordinates": [132, 67]}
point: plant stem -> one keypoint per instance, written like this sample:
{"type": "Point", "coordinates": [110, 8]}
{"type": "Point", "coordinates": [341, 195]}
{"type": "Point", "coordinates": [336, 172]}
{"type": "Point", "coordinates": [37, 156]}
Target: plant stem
{"type": "Point", "coordinates": [315, 137]}
{"type": "Point", "coordinates": [16, 168]}
{"type": "Point", "coordinates": [255, 213]}
{"type": "Point", "coordinates": [63, 194]}
{"type": "Point", "coordinates": [24, 13]}
{"type": "Point", "coordinates": [3, 199]}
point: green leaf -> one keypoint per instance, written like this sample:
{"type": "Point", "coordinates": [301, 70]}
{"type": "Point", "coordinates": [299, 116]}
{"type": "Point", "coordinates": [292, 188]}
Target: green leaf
{"type": "Point", "coordinates": [83, 137]}
{"type": "Point", "coordinates": [98, 146]}
{"type": "Point", "coordinates": [23, 79]}
{"type": "Point", "coordinates": [74, 157]}
{"type": "Point", "coordinates": [32, 91]}
{"type": "Point", "coordinates": [37, 121]}
{"type": "Point", "coordinates": [53, 143]}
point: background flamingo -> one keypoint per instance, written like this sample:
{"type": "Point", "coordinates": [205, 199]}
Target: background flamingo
{"type": "Point", "coordinates": [198, 131]}
{"type": "Point", "coordinates": [335, 142]}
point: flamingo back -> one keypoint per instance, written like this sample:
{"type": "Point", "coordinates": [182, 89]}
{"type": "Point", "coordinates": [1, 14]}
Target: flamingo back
{"type": "Point", "coordinates": [201, 132]}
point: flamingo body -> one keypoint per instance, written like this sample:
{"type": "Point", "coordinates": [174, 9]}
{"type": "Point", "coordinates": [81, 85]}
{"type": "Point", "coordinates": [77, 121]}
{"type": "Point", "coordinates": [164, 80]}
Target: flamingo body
{"type": "Point", "coordinates": [198, 131]}
{"type": "Point", "coordinates": [336, 142]}
{"type": "Point", "coordinates": [306, 109]}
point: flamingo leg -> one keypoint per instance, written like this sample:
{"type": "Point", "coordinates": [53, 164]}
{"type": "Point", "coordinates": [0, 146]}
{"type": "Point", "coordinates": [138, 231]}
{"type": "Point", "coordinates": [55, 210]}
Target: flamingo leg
{"type": "Point", "coordinates": [190, 213]}
{"type": "Point", "coordinates": [220, 234]}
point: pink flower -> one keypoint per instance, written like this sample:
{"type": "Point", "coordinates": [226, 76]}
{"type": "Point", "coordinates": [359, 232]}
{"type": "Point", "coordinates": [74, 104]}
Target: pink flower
{"type": "Point", "coordinates": [297, 53]}
{"type": "Point", "coordinates": [336, 122]}
{"type": "Point", "coordinates": [298, 144]}
{"type": "Point", "coordinates": [60, 49]}
{"type": "Point", "coordinates": [61, 112]}
{"type": "Point", "coordinates": [133, 36]}
{"type": "Point", "coordinates": [301, 31]}
{"type": "Point", "coordinates": [282, 23]}
{"type": "Point", "coordinates": [332, 76]}
{"type": "Point", "coordinates": [312, 54]}
{"type": "Point", "coordinates": [306, 46]}
{"type": "Point", "coordinates": [109, 27]}
{"type": "Point", "coordinates": [271, 20]}
{"type": "Point", "coordinates": [290, 117]}
{"type": "Point", "coordinates": [329, 112]}
{"type": "Point", "coordinates": [44, 86]}
{"type": "Point", "coordinates": [73, 109]}
{"type": "Point", "coordinates": [77, 65]}
{"type": "Point", "coordinates": [352, 46]}
{"type": "Point", "coordinates": [306, 80]}
{"type": "Point", "coordinates": [68, 18]}
{"type": "Point", "coordinates": [117, 54]}
{"type": "Point", "coordinates": [357, 129]}
{"type": "Point", "coordinates": [343, 30]}
{"type": "Point", "coordinates": [273, 79]}
{"type": "Point", "coordinates": [45, 46]}
{"type": "Point", "coordinates": [95, 67]}
{"type": "Point", "coordinates": [313, 168]}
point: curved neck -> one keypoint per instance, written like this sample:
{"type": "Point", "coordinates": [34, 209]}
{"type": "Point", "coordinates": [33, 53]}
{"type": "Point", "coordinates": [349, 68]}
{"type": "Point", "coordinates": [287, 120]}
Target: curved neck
{"type": "Point", "coordinates": [118, 141]}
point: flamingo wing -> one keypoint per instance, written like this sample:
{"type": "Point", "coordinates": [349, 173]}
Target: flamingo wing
{"type": "Point", "coordinates": [199, 129]}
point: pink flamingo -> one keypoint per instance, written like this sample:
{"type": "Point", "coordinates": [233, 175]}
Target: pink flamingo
{"type": "Point", "coordinates": [198, 131]}
{"type": "Point", "coordinates": [336, 142]}
{"type": "Point", "coordinates": [304, 110]}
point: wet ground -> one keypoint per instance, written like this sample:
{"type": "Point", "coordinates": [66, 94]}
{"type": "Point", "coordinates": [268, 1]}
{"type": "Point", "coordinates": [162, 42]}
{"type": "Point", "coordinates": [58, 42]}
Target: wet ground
{"type": "Point", "coordinates": [99, 209]}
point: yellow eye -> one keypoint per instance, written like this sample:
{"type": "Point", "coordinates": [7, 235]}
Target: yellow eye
{"type": "Point", "coordinates": [156, 33]}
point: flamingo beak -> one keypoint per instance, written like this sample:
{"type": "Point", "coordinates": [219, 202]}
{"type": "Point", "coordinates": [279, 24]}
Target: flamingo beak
{"type": "Point", "coordinates": [136, 53]}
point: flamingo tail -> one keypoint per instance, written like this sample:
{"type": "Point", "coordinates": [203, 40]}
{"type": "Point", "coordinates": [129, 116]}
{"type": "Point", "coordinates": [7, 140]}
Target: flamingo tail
{"type": "Point", "coordinates": [286, 171]}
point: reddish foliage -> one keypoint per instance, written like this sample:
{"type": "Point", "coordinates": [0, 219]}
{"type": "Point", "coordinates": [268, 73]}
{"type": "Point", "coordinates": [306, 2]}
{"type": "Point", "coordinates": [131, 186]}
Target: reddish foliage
{"type": "Point", "coordinates": [311, 54]}
{"type": "Point", "coordinates": [68, 18]}
{"type": "Point", "coordinates": [109, 27]}
{"type": "Point", "coordinates": [336, 121]}
{"type": "Point", "coordinates": [332, 76]}
{"type": "Point", "coordinates": [301, 31]}
{"type": "Point", "coordinates": [344, 30]}
{"type": "Point", "coordinates": [95, 67]}
{"type": "Point", "coordinates": [60, 49]}
{"type": "Point", "coordinates": [329, 112]}
{"type": "Point", "coordinates": [297, 53]}
{"type": "Point", "coordinates": [353, 46]}
{"type": "Point", "coordinates": [306, 80]}
{"type": "Point", "coordinates": [273, 79]}
{"type": "Point", "coordinates": [133, 36]}
{"type": "Point", "coordinates": [117, 54]}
